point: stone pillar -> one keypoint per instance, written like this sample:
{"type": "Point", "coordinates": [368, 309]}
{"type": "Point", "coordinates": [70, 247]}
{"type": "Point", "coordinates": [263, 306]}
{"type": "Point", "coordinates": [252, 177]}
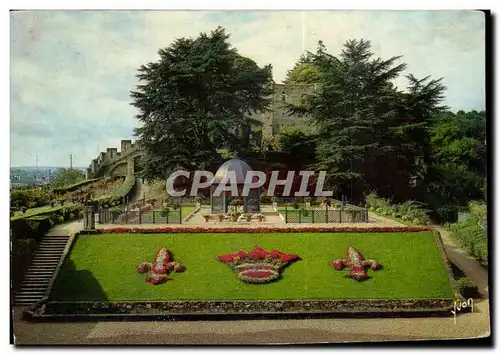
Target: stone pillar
{"type": "Point", "coordinates": [89, 217]}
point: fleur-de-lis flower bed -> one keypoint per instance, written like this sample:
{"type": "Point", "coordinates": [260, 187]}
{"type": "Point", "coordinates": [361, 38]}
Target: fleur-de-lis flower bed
{"type": "Point", "coordinates": [356, 263]}
{"type": "Point", "coordinates": [257, 266]}
{"type": "Point", "coordinates": [160, 268]}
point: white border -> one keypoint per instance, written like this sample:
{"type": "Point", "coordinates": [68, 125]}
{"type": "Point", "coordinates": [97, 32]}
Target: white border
{"type": "Point", "coordinates": [188, 4]}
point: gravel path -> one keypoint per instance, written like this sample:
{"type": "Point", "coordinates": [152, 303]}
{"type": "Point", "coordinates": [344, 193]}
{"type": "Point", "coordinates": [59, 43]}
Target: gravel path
{"type": "Point", "coordinates": [471, 325]}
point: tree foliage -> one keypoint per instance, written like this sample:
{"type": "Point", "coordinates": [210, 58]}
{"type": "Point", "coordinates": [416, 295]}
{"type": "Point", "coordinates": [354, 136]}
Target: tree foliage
{"type": "Point", "coordinates": [371, 135]}
{"type": "Point", "coordinates": [196, 99]}
{"type": "Point", "coordinates": [66, 178]}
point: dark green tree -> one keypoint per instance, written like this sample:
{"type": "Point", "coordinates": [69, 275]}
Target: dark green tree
{"type": "Point", "coordinates": [198, 98]}
{"type": "Point", "coordinates": [369, 132]}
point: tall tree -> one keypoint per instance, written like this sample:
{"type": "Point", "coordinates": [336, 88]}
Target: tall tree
{"type": "Point", "coordinates": [366, 126]}
{"type": "Point", "coordinates": [199, 97]}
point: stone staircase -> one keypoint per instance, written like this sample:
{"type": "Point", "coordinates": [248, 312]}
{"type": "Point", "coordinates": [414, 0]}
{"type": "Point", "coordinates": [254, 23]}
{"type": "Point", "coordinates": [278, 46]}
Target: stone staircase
{"type": "Point", "coordinates": [41, 269]}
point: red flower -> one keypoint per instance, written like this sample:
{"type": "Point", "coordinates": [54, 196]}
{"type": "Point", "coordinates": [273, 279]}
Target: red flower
{"type": "Point", "coordinates": [286, 258]}
{"type": "Point", "coordinates": [169, 230]}
{"type": "Point", "coordinates": [338, 264]}
{"type": "Point", "coordinates": [226, 258]}
{"type": "Point", "coordinates": [179, 268]}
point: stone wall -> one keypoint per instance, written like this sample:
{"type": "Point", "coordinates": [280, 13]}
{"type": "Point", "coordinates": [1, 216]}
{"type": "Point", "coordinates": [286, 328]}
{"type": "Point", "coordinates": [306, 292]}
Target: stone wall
{"type": "Point", "coordinates": [278, 116]}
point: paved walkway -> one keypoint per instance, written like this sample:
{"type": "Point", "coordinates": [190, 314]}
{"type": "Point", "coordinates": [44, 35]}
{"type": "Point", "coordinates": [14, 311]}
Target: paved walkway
{"type": "Point", "coordinates": [470, 325]}
{"type": "Point", "coordinates": [466, 263]}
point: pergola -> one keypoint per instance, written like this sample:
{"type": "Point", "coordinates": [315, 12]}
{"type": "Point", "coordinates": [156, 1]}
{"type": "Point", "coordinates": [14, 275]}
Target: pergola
{"type": "Point", "coordinates": [220, 204]}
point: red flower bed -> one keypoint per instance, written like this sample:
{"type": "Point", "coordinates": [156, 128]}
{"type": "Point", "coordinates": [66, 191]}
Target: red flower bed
{"type": "Point", "coordinates": [257, 266]}
{"type": "Point", "coordinates": [356, 263]}
{"type": "Point", "coordinates": [172, 230]}
{"type": "Point", "coordinates": [160, 268]}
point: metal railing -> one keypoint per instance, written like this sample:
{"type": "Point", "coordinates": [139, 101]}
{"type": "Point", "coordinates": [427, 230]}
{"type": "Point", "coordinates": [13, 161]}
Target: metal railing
{"type": "Point", "coordinates": [107, 216]}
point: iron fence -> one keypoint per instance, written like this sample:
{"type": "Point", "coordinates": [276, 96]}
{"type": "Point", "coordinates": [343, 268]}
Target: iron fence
{"type": "Point", "coordinates": [106, 216]}
{"type": "Point", "coordinates": [313, 216]}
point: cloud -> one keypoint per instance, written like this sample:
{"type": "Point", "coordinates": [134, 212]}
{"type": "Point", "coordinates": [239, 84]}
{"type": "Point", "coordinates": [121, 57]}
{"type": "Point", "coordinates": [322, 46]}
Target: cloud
{"type": "Point", "coordinates": [72, 71]}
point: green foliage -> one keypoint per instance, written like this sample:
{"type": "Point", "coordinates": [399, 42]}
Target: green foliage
{"type": "Point", "coordinates": [471, 235]}
{"type": "Point", "coordinates": [31, 197]}
{"type": "Point", "coordinates": [369, 133]}
{"type": "Point", "coordinates": [75, 186]}
{"type": "Point", "coordinates": [197, 99]}
{"type": "Point", "coordinates": [466, 287]}
{"type": "Point", "coordinates": [456, 172]}
{"type": "Point", "coordinates": [303, 73]}
{"type": "Point", "coordinates": [300, 146]}
{"type": "Point", "coordinates": [67, 178]}
{"type": "Point", "coordinates": [410, 210]}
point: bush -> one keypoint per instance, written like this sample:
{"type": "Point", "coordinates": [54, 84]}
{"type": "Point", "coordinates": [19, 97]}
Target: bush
{"type": "Point", "coordinates": [296, 205]}
{"type": "Point", "coordinates": [466, 287]}
{"type": "Point", "coordinates": [472, 237]}
{"type": "Point", "coordinates": [24, 209]}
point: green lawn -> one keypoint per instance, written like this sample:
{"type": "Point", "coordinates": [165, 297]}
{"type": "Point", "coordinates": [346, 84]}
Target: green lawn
{"type": "Point", "coordinates": [102, 267]}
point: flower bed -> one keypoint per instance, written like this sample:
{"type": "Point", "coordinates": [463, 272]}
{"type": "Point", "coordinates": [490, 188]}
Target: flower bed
{"type": "Point", "coordinates": [356, 263]}
{"type": "Point", "coordinates": [167, 230]}
{"type": "Point", "coordinates": [159, 309]}
{"type": "Point", "coordinates": [257, 266]}
{"type": "Point", "coordinates": [160, 268]}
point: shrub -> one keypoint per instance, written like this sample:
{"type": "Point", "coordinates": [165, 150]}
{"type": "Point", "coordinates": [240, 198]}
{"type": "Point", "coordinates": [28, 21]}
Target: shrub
{"type": "Point", "coordinates": [296, 205]}
{"type": "Point", "coordinates": [466, 287]}
{"type": "Point", "coordinates": [472, 237]}
{"type": "Point", "coordinates": [24, 209]}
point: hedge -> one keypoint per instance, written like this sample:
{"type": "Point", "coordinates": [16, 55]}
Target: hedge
{"type": "Point", "coordinates": [466, 287]}
{"type": "Point", "coordinates": [472, 237]}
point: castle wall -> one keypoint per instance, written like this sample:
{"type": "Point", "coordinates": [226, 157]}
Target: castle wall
{"type": "Point", "coordinates": [278, 116]}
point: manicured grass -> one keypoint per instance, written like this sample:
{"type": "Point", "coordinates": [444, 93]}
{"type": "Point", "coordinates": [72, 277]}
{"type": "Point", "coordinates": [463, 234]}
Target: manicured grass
{"type": "Point", "coordinates": [103, 267]}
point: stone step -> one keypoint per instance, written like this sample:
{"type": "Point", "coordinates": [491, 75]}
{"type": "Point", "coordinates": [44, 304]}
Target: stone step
{"type": "Point", "coordinates": [42, 273]}
{"type": "Point", "coordinates": [34, 284]}
{"type": "Point", "coordinates": [46, 259]}
{"type": "Point", "coordinates": [42, 268]}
